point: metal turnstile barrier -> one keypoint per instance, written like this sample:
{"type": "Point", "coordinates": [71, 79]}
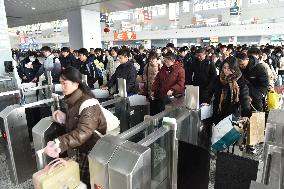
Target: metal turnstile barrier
{"type": "Point", "coordinates": [118, 165]}
{"type": "Point", "coordinates": [45, 130]}
{"type": "Point", "coordinates": [16, 131]}
{"type": "Point", "coordinates": [273, 153]}
{"type": "Point", "coordinates": [150, 163]}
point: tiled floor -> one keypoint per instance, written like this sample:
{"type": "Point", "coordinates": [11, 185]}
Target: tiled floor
{"type": "Point", "coordinates": [5, 182]}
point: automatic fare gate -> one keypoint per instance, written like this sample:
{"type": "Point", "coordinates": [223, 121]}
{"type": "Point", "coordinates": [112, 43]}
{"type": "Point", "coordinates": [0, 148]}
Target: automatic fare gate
{"type": "Point", "coordinates": [273, 153]}
{"type": "Point", "coordinates": [17, 137]}
{"type": "Point", "coordinates": [123, 161]}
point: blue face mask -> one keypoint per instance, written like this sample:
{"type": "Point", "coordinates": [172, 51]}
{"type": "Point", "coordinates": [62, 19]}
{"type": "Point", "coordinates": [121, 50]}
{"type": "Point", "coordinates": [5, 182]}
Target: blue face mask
{"type": "Point", "coordinates": [278, 54]}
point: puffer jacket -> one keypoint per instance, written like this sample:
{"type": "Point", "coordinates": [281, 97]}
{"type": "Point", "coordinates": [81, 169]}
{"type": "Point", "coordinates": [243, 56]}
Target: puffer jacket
{"type": "Point", "coordinates": [149, 75]}
{"type": "Point", "coordinates": [257, 81]}
{"type": "Point", "coordinates": [172, 78]}
{"type": "Point", "coordinates": [80, 128]}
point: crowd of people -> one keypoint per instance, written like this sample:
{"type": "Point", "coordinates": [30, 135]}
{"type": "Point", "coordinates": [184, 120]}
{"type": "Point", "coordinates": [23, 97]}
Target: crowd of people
{"type": "Point", "coordinates": [234, 80]}
{"type": "Point", "coordinates": [165, 71]}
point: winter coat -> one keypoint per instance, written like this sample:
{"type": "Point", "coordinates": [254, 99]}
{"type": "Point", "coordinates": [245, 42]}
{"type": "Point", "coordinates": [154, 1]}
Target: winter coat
{"type": "Point", "coordinates": [271, 76]}
{"type": "Point", "coordinates": [149, 75]}
{"type": "Point", "coordinates": [275, 61]}
{"type": "Point", "coordinates": [113, 63]}
{"type": "Point", "coordinates": [52, 64]}
{"type": "Point", "coordinates": [89, 69]}
{"type": "Point", "coordinates": [141, 60]}
{"type": "Point", "coordinates": [172, 78]}
{"type": "Point", "coordinates": [202, 74]}
{"type": "Point", "coordinates": [128, 72]}
{"type": "Point", "coordinates": [25, 73]}
{"type": "Point", "coordinates": [80, 128]}
{"type": "Point", "coordinates": [187, 61]}
{"type": "Point", "coordinates": [67, 61]}
{"type": "Point", "coordinates": [242, 108]}
{"type": "Point", "coordinates": [257, 81]}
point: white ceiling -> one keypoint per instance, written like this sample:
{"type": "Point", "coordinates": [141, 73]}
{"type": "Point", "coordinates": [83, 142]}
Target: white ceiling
{"type": "Point", "coordinates": [19, 12]}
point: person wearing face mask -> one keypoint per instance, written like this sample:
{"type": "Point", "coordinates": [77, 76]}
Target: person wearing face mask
{"type": "Point", "coordinates": [26, 71]}
{"type": "Point", "coordinates": [202, 73]}
{"type": "Point", "coordinates": [231, 93]}
{"type": "Point", "coordinates": [170, 81]}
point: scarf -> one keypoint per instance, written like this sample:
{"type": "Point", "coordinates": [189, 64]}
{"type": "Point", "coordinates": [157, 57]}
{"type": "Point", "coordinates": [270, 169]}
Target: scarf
{"type": "Point", "coordinates": [234, 88]}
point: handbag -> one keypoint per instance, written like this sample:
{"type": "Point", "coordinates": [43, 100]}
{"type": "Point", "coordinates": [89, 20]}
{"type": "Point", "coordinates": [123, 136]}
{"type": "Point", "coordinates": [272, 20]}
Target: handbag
{"type": "Point", "coordinates": [58, 174]}
{"type": "Point", "coordinates": [255, 131]}
{"type": "Point", "coordinates": [273, 100]}
{"type": "Point", "coordinates": [225, 133]}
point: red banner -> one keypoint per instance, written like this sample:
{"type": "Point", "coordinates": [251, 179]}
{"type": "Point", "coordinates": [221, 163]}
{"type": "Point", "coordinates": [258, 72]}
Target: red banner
{"type": "Point", "coordinates": [125, 36]}
{"type": "Point", "coordinates": [22, 38]}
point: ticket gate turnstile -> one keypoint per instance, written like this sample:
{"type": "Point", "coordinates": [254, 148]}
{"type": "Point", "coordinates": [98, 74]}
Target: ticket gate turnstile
{"type": "Point", "coordinates": [162, 161]}
{"type": "Point", "coordinates": [139, 165]}
{"type": "Point", "coordinates": [16, 136]}
{"type": "Point", "coordinates": [273, 152]}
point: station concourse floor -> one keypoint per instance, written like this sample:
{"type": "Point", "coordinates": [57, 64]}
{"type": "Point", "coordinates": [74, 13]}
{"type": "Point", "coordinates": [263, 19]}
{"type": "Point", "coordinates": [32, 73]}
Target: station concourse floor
{"type": "Point", "coordinates": [5, 182]}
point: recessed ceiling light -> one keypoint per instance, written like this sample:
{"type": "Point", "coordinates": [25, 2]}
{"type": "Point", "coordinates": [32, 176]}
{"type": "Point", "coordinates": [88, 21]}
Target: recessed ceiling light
{"type": "Point", "coordinates": [33, 8]}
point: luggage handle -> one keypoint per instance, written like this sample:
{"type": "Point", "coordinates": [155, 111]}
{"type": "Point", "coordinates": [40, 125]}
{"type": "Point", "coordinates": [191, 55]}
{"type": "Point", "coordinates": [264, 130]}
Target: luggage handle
{"type": "Point", "coordinates": [57, 161]}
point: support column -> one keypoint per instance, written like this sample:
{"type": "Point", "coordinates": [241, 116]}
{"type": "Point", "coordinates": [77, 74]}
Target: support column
{"type": "Point", "coordinates": [174, 41]}
{"type": "Point", "coordinates": [84, 29]}
{"type": "Point", "coordinates": [5, 46]}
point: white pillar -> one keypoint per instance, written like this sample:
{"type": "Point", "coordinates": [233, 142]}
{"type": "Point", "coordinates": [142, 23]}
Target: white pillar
{"type": "Point", "coordinates": [174, 41]}
{"type": "Point", "coordinates": [84, 29]}
{"type": "Point", "coordinates": [147, 44]}
{"type": "Point", "coordinates": [5, 46]}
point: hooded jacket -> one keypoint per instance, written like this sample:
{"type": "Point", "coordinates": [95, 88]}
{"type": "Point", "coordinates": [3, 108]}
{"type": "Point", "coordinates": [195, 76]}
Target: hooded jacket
{"type": "Point", "coordinates": [256, 78]}
{"type": "Point", "coordinates": [80, 128]}
{"type": "Point", "coordinates": [172, 78]}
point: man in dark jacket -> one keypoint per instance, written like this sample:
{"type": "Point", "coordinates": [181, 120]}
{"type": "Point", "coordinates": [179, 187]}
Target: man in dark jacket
{"type": "Point", "coordinates": [141, 60]}
{"type": "Point", "coordinates": [88, 67]}
{"type": "Point", "coordinates": [125, 70]}
{"type": "Point", "coordinates": [202, 73]}
{"type": "Point", "coordinates": [67, 59]}
{"type": "Point", "coordinates": [187, 60]}
{"type": "Point", "coordinates": [256, 79]}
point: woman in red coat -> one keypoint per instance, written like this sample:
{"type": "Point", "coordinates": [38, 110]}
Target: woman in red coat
{"type": "Point", "coordinates": [170, 81]}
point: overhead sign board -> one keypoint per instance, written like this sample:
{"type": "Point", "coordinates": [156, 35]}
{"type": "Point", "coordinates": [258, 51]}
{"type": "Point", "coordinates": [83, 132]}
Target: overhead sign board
{"type": "Point", "coordinates": [125, 36]}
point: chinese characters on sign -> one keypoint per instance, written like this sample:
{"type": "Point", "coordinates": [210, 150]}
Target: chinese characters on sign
{"type": "Point", "coordinates": [125, 36]}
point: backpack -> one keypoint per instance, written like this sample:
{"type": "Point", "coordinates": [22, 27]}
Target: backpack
{"type": "Point", "coordinates": [111, 120]}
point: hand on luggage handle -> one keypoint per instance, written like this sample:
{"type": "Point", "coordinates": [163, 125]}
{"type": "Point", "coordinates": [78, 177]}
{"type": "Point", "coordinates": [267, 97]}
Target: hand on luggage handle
{"type": "Point", "coordinates": [57, 161]}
